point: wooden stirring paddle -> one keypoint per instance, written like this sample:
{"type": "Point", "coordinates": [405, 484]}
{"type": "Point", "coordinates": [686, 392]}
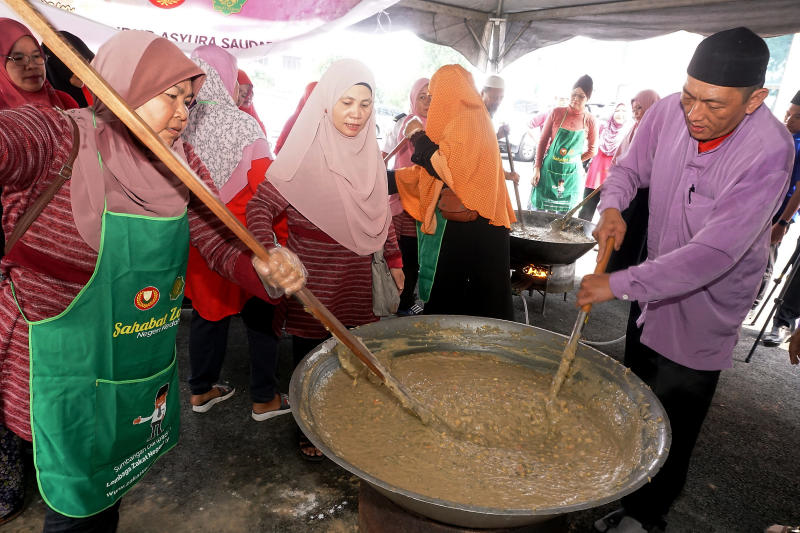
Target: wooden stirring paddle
{"type": "Point", "coordinates": [37, 22]}
{"type": "Point", "coordinates": [560, 224]}
{"type": "Point", "coordinates": [516, 185]}
{"type": "Point", "coordinates": [572, 344]}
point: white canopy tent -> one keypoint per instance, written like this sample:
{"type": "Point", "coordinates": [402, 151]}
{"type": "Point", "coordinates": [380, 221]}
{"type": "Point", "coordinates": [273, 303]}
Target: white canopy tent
{"type": "Point", "coordinates": [493, 33]}
{"type": "Point", "coordinates": [489, 33]}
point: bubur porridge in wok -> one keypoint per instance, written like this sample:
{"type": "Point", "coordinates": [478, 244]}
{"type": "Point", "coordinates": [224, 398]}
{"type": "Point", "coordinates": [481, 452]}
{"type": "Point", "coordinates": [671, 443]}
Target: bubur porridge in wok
{"type": "Point", "coordinates": [573, 233]}
{"type": "Point", "coordinates": [524, 461]}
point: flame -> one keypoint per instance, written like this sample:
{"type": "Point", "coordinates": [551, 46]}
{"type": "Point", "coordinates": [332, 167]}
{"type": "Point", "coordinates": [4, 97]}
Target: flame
{"type": "Point", "coordinates": [536, 272]}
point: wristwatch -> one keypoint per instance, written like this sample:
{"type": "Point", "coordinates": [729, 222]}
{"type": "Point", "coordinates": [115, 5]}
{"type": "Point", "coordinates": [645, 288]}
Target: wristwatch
{"type": "Point", "coordinates": [784, 223]}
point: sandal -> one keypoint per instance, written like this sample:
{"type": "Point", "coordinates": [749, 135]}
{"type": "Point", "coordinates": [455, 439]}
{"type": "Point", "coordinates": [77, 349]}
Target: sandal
{"type": "Point", "coordinates": [304, 444]}
{"type": "Point", "coordinates": [225, 392]}
{"type": "Point", "coordinates": [281, 410]}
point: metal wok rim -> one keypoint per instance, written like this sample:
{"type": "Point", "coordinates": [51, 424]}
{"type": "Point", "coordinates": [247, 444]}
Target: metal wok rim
{"type": "Point", "coordinates": [547, 217]}
{"type": "Point", "coordinates": [549, 252]}
{"type": "Point", "coordinates": [321, 351]}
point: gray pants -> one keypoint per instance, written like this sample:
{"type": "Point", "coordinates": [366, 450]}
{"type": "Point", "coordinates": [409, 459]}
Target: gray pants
{"type": "Point", "coordinates": [789, 311]}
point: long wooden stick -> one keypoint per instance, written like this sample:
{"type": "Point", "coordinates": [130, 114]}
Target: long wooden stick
{"type": "Point", "coordinates": [561, 223]}
{"type": "Point", "coordinates": [516, 185]}
{"type": "Point", "coordinates": [180, 168]}
{"type": "Point", "coordinates": [577, 330]}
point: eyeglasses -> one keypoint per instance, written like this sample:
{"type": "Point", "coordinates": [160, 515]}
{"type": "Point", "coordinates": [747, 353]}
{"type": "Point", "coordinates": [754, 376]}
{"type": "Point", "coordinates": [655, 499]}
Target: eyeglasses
{"type": "Point", "coordinates": [577, 96]}
{"type": "Point", "coordinates": [23, 60]}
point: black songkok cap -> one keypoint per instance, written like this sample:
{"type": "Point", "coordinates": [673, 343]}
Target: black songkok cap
{"type": "Point", "coordinates": [796, 99]}
{"type": "Point", "coordinates": [731, 58]}
{"type": "Point", "coordinates": [585, 82]}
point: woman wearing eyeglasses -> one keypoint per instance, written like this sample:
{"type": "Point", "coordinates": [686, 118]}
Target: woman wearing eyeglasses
{"type": "Point", "coordinates": [569, 137]}
{"type": "Point", "coordinates": [22, 78]}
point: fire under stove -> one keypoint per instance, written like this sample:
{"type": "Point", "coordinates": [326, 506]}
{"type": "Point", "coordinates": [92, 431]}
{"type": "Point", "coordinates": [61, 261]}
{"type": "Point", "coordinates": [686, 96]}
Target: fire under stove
{"type": "Point", "coordinates": [544, 279]}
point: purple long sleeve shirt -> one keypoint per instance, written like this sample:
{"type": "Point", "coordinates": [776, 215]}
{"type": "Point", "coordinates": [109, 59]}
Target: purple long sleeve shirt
{"type": "Point", "coordinates": [708, 233]}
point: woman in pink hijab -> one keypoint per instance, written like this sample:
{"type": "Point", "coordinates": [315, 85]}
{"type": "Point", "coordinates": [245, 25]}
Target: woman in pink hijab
{"type": "Point", "coordinates": [22, 77]}
{"type": "Point", "coordinates": [611, 134]}
{"type": "Point", "coordinates": [91, 293]}
{"type": "Point", "coordinates": [330, 181]}
{"type": "Point", "coordinates": [244, 97]}
{"type": "Point", "coordinates": [235, 150]}
{"type": "Point", "coordinates": [404, 224]}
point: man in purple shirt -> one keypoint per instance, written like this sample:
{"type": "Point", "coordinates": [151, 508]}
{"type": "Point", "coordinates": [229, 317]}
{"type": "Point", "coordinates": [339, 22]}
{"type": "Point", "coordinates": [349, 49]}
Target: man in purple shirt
{"type": "Point", "coordinates": [717, 163]}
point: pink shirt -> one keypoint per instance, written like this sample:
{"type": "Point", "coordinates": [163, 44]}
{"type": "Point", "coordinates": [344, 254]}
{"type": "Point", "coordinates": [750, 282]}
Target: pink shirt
{"type": "Point", "coordinates": [572, 122]}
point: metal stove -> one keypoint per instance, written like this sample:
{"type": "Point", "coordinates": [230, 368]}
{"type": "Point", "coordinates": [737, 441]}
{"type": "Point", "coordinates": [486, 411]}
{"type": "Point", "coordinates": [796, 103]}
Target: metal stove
{"type": "Point", "coordinates": [544, 279]}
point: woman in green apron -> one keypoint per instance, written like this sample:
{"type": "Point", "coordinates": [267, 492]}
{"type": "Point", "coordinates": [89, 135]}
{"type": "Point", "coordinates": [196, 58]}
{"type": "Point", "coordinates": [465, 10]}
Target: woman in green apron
{"type": "Point", "coordinates": [91, 299]}
{"type": "Point", "coordinates": [558, 172]}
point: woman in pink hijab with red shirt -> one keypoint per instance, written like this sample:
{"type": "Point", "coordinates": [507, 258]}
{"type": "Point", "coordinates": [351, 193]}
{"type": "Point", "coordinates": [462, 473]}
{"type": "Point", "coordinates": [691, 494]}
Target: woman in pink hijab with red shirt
{"type": "Point", "coordinates": [22, 78]}
{"type": "Point", "coordinates": [244, 97]}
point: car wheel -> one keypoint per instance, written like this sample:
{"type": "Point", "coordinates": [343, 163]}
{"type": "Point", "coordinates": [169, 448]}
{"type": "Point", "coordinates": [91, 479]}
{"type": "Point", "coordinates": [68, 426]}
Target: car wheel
{"type": "Point", "coordinates": [526, 150]}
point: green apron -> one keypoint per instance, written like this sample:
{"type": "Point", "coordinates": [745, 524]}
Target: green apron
{"type": "Point", "coordinates": [103, 375]}
{"type": "Point", "coordinates": [558, 188]}
{"type": "Point", "coordinates": [428, 247]}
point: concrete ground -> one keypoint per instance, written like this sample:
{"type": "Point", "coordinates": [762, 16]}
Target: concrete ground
{"type": "Point", "coordinates": [232, 474]}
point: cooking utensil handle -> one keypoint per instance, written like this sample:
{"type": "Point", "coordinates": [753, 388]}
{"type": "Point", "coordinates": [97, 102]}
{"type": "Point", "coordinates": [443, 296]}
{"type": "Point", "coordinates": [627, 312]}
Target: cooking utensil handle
{"type": "Point", "coordinates": [602, 264]}
{"type": "Point", "coordinates": [516, 185]}
{"type": "Point", "coordinates": [180, 168]}
{"type": "Point", "coordinates": [396, 149]}
{"type": "Point", "coordinates": [572, 211]}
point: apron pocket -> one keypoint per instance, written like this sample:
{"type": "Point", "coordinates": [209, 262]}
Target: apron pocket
{"type": "Point", "coordinates": [136, 421]}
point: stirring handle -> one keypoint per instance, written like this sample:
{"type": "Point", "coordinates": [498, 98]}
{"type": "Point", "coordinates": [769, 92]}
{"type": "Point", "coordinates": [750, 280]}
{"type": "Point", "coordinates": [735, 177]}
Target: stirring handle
{"type": "Point", "coordinates": [601, 266]}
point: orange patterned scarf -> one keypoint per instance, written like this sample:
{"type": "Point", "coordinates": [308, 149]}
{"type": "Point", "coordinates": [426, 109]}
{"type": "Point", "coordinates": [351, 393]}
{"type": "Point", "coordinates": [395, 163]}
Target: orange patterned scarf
{"type": "Point", "coordinates": [468, 159]}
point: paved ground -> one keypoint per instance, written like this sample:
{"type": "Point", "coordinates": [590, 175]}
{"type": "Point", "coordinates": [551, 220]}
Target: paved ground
{"type": "Point", "coordinates": [231, 474]}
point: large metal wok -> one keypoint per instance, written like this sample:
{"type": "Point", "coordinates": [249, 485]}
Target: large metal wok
{"type": "Point", "coordinates": [527, 251]}
{"type": "Point", "coordinates": [509, 340]}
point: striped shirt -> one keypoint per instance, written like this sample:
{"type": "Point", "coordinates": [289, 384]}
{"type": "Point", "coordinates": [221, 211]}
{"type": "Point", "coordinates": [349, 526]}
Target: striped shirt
{"type": "Point", "coordinates": [51, 263]}
{"type": "Point", "coordinates": [338, 277]}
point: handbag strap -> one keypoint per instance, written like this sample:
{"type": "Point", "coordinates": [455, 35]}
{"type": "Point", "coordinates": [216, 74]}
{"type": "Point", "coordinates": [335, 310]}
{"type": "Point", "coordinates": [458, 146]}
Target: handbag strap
{"type": "Point", "coordinates": [39, 204]}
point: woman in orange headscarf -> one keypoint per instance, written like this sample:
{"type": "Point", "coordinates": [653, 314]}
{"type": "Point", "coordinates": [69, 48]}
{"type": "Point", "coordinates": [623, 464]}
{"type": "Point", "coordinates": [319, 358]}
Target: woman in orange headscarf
{"type": "Point", "coordinates": [457, 190]}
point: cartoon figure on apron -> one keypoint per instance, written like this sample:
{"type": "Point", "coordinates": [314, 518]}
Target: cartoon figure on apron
{"type": "Point", "coordinates": [158, 414]}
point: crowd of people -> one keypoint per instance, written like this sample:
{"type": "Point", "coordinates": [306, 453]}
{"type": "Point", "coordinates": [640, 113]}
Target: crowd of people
{"type": "Point", "coordinates": [96, 266]}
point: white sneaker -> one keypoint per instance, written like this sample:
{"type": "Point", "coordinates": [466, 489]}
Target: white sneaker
{"type": "Point", "coordinates": [628, 525]}
{"type": "Point", "coordinates": [777, 336]}
{"type": "Point", "coordinates": [619, 522]}
{"type": "Point", "coordinates": [751, 315]}
{"type": "Point", "coordinates": [609, 521]}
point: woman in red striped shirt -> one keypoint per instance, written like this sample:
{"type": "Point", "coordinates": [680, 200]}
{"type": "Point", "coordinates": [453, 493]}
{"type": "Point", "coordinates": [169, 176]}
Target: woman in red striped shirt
{"type": "Point", "coordinates": [330, 181]}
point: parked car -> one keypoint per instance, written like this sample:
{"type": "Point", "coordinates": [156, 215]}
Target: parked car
{"type": "Point", "coordinates": [385, 120]}
{"type": "Point", "coordinates": [524, 131]}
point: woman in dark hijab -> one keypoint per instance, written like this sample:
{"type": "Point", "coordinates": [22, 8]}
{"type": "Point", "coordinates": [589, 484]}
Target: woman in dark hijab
{"type": "Point", "coordinates": [61, 77]}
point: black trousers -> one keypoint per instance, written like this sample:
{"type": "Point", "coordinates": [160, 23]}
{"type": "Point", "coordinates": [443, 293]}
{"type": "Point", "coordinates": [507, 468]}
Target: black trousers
{"type": "Point", "coordinates": [634, 247]}
{"type": "Point", "coordinates": [408, 248]}
{"type": "Point", "coordinates": [301, 346]}
{"type": "Point", "coordinates": [789, 311]}
{"type": "Point", "coordinates": [473, 273]}
{"type": "Point", "coordinates": [588, 209]}
{"type": "Point", "coordinates": [208, 342]}
{"type": "Point", "coordinates": [102, 522]}
{"type": "Point", "coordinates": [686, 396]}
